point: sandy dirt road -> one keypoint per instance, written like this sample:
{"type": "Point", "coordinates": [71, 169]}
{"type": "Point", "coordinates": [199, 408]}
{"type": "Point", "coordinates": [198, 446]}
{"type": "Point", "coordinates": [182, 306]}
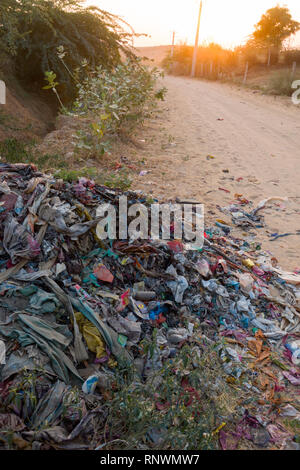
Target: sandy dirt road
{"type": "Point", "coordinates": [255, 144]}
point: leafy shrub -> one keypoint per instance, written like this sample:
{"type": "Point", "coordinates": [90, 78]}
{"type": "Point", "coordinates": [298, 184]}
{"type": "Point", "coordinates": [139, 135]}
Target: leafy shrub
{"type": "Point", "coordinates": [115, 100]}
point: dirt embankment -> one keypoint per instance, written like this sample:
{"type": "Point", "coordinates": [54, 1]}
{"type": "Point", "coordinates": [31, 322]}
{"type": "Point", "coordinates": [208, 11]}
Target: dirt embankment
{"type": "Point", "coordinates": [27, 114]}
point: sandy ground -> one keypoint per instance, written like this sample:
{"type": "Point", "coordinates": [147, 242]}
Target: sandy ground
{"type": "Point", "coordinates": [254, 138]}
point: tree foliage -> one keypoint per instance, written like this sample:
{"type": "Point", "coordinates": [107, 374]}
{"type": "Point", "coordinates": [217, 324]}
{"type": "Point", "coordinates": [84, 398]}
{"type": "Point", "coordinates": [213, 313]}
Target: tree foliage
{"type": "Point", "coordinates": [8, 27]}
{"type": "Point", "coordinates": [274, 27]}
{"type": "Point", "coordinates": [32, 31]}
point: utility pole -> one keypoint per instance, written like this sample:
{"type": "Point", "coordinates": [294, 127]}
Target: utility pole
{"type": "Point", "coordinates": [173, 44]}
{"type": "Point", "coordinates": [196, 42]}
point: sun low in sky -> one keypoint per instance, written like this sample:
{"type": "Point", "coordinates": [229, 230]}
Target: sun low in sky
{"type": "Point", "coordinates": [227, 22]}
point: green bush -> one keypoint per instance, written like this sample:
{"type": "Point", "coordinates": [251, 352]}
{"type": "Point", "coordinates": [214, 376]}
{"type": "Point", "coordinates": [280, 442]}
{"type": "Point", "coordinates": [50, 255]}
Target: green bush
{"type": "Point", "coordinates": [114, 101]}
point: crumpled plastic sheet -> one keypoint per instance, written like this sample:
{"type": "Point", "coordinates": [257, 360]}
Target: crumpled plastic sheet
{"type": "Point", "coordinates": [278, 434]}
{"type": "Point", "coordinates": [48, 337]}
{"type": "Point", "coordinates": [56, 220]}
{"type": "Point", "coordinates": [15, 364]}
{"type": "Point", "coordinates": [179, 286]}
{"type": "Point", "coordinates": [50, 407]}
{"type": "Point", "coordinates": [18, 242]}
{"type": "Point", "coordinates": [230, 440]}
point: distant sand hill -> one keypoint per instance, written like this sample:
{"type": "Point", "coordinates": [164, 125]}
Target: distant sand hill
{"type": "Point", "coordinates": [156, 53]}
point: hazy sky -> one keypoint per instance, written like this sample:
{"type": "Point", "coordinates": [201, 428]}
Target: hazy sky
{"type": "Point", "coordinates": [227, 22]}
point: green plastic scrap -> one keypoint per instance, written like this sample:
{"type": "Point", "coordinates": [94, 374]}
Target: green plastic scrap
{"type": "Point", "coordinates": [91, 279]}
{"type": "Point", "coordinates": [43, 302]}
{"type": "Point", "coordinates": [122, 340]}
{"type": "Point", "coordinates": [101, 253]}
{"type": "Point", "coordinates": [111, 254]}
{"type": "Point", "coordinates": [28, 290]}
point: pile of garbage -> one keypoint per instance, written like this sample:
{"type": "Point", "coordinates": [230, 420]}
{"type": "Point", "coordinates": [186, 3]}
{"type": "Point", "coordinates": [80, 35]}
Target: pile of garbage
{"type": "Point", "coordinates": [77, 311]}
